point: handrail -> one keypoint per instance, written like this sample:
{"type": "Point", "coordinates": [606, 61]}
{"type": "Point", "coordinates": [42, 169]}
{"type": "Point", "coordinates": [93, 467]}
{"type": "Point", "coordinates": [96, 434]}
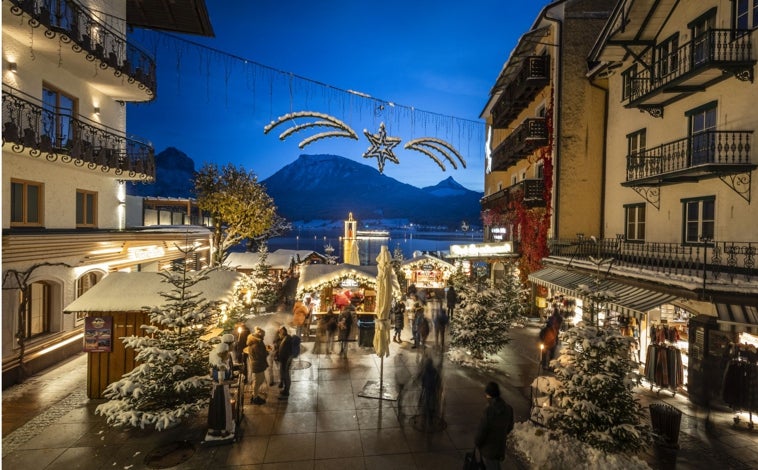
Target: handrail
{"type": "Point", "coordinates": [703, 261]}
{"type": "Point", "coordinates": [78, 25]}
{"type": "Point", "coordinates": [29, 125]}
{"type": "Point", "coordinates": [709, 147]}
{"type": "Point", "coordinates": [713, 47]}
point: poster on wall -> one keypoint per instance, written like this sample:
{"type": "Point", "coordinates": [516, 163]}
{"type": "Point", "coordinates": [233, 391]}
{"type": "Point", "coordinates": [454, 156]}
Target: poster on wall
{"type": "Point", "coordinates": [98, 333]}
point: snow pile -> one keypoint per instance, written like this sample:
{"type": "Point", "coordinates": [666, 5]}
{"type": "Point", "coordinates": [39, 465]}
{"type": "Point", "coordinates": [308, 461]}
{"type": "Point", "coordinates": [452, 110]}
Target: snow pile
{"type": "Point", "coordinates": [545, 449]}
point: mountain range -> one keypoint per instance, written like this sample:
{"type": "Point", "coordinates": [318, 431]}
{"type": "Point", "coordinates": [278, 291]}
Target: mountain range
{"type": "Point", "coordinates": [328, 187]}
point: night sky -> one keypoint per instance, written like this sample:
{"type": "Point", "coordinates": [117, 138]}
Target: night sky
{"type": "Point", "coordinates": [428, 67]}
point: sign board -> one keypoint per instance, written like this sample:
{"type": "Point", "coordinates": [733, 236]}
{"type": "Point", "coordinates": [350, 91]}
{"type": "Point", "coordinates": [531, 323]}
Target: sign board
{"type": "Point", "coordinates": [481, 250]}
{"type": "Point", "coordinates": [98, 334]}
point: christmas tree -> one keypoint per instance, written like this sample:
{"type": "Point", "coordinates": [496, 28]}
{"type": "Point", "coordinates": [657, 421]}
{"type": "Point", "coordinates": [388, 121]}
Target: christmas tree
{"type": "Point", "coordinates": [484, 314]}
{"type": "Point", "coordinates": [592, 396]}
{"type": "Point", "coordinates": [171, 381]}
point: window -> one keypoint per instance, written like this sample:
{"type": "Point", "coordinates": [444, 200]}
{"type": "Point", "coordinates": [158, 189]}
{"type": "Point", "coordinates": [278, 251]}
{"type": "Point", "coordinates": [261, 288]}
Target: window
{"type": "Point", "coordinates": [85, 283]}
{"type": "Point", "coordinates": [26, 203]}
{"type": "Point", "coordinates": [701, 37]}
{"type": "Point", "coordinates": [667, 54]}
{"type": "Point", "coordinates": [37, 312]}
{"type": "Point", "coordinates": [745, 14]}
{"type": "Point", "coordinates": [86, 208]}
{"type": "Point", "coordinates": [58, 111]}
{"type": "Point", "coordinates": [699, 219]}
{"type": "Point", "coordinates": [635, 151]}
{"type": "Point", "coordinates": [702, 122]}
{"type": "Point", "coordinates": [635, 222]}
{"type": "Point", "coordinates": [539, 171]}
{"type": "Point", "coordinates": [630, 85]}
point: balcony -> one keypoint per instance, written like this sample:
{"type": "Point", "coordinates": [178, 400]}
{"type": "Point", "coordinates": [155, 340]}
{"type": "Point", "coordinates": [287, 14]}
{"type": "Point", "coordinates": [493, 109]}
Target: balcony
{"type": "Point", "coordinates": [529, 192]}
{"type": "Point", "coordinates": [706, 155]}
{"type": "Point", "coordinates": [713, 262]}
{"type": "Point", "coordinates": [525, 139]}
{"type": "Point", "coordinates": [29, 128]}
{"type": "Point", "coordinates": [532, 77]}
{"type": "Point", "coordinates": [75, 38]}
{"type": "Point", "coordinates": [710, 58]}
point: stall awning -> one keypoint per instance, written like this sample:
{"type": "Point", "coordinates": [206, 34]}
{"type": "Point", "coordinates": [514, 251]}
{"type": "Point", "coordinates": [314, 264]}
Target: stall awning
{"type": "Point", "coordinates": [738, 317]}
{"type": "Point", "coordinates": [630, 300]}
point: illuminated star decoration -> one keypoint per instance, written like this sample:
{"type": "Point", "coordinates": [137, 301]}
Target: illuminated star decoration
{"type": "Point", "coordinates": [381, 147]}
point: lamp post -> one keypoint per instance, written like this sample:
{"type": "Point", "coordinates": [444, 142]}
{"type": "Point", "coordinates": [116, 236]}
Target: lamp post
{"type": "Point", "coordinates": [705, 241]}
{"type": "Point", "coordinates": [297, 242]}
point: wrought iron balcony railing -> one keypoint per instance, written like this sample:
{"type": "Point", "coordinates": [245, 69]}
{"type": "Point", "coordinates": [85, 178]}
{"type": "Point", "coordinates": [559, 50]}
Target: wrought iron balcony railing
{"type": "Point", "coordinates": [532, 77]}
{"type": "Point", "coordinates": [30, 126]}
{"type": "Point", "coordinates": [704, 262]}
{"type": "Point", "coordinates": [77, 26]}
{"type": "Point", "coordinates": [710, 152]}
{"type": "Point", "coordinates": [530, 192]}
{"type": "Point", "coordinates": [717, 50]}
{"type": "Point", "coordinates": [525, 139]}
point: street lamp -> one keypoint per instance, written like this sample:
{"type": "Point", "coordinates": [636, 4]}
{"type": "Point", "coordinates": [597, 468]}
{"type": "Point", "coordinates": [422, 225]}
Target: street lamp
{"type": "Point", "coordinates": [297, 240]}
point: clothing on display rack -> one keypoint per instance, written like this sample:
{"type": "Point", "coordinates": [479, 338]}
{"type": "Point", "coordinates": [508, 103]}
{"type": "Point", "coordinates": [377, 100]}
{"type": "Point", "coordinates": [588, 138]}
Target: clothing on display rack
{"type": "Point", "coordinates": [663, 366]}
{"type": "Point", "coordinates": [740, 385]}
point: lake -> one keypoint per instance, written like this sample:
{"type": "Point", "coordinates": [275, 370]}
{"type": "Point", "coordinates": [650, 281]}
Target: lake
{"type": "Point", "coordinates": [408, 241]}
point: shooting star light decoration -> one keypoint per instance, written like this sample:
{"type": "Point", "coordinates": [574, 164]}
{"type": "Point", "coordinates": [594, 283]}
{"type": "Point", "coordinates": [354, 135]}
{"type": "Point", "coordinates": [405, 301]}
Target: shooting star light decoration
{"type": "Point", "coordinates": [381, 144]}
{"type": "Point", "coordinates": [381, 147]}
{"type": "Point", "coordinates": [343, 130]}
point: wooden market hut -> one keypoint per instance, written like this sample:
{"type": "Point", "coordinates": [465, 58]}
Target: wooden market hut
{"type": "Point", "coordinates": [326, 281]}
{"type": "Point", "coordinates": [120, 300]}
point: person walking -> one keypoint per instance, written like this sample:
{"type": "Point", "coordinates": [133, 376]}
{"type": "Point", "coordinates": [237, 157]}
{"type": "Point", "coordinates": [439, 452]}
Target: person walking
{"type": "Point", "coordinates": [431, 393]}
{"type": "Point", "coordinates": [418, 318]}
{"type": "Point", "coordinates": [257, 364]}
{"type": "Point", "coordinates": [494, 426]}
{"type": "Point", "coordinates": [451, 298]}
{"type": "Point", "coordinates": [345, 326]}
{"type": "Point", "coordinates": [398, 316]}
{"type": "Point", "coordinates": [440, 325]}
{"type": "Point", "coordinates": [330, 318]}
{"type": "Point", "coordinates": [299, 313]}
{"type": "Point", "coordinates": [284, 356]}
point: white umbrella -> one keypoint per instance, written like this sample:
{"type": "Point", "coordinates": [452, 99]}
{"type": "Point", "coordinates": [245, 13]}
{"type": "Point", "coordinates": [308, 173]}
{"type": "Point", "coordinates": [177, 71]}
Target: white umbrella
{"type": "Point", "coordinates": [383, 302]}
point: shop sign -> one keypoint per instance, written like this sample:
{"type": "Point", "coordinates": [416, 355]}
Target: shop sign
{"type": "Point", "coordinates": [349, 283]}
{"type": "Point", "coordinates": [427, 267]}
{"type": "Point", "coordinates": [481, 250]}
{"type": "Point", "coordinates": [98, 334]}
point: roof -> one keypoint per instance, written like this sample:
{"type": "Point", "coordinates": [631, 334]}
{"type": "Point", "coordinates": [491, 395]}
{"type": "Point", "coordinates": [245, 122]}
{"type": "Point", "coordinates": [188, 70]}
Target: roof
{"type": "Point", "coordinates": [424, 259]}
{"type": "Point", "coordinates": [131, 292]}
{"type": "Point", "coordinates": [279, 259]}
{"type": "Point", "coordinates": [315, 276]}
{"type": "Point", "coordinates": [181, 16]}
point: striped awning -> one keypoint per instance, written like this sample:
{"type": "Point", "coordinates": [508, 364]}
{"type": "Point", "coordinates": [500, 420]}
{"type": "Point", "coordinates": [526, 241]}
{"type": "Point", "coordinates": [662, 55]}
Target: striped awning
{"type": "Point", "coordinates": [629, 300]}
{"type": "Point", "coordinates": [738, 317]}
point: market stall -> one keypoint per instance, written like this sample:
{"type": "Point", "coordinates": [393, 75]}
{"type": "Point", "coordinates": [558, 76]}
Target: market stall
{"type": "Point", "coordinates": [116, 307]}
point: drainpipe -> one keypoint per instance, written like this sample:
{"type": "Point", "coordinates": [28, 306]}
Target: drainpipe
{"type": "Point", "coordinates": [557, 123]}
{"type": "Point", "coordinates": [604, 156]}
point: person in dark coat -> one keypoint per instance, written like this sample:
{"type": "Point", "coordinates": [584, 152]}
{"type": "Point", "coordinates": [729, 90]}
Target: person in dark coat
{"type": "Point", "coordinates": [398, 314]}
{"type": "Point", "coordinates": [451, 298]}
{"type": "Point", "coordinates": [284, 356]}
{"type": "Point", "coordinates": [257, 364]}
{"type": "Point", "coordinates": [416, 326]}
{"type": "Point", "coordinates": [330, 319]}
{"type": "Point", "coordinates": [345, 326]}
{"type": "Point", "coordinates": [431, 392]}
{"type": "Point", "coordinates": [495, 425]}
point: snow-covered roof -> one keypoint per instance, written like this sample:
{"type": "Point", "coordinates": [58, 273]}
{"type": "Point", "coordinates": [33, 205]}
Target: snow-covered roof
{"type": "Point", "coordinates": [130, 292]}
{"type": "Point", "coordinates": [314, 277]}
{"type": "Point", "coordinates": [424, 259]}
{"type": "Point", "coordinates": [279, 259]}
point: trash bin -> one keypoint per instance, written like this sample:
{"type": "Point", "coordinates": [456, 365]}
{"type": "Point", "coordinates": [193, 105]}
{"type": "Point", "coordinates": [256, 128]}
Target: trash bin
{"type": "Point", "coordinates": [365, 333]}
{"type": "Point", "coordinates": [666, 421]}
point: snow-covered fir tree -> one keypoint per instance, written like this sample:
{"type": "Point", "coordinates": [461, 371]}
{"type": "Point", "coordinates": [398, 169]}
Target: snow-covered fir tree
{"type": "Point", "coordinates": [171, 381]}
{"type": "Point", "coordinates": [265, 287]}
{"type": "Point", "coordinates": [484, 314]}
{"type": "Point", "coordinates": [593, 400]}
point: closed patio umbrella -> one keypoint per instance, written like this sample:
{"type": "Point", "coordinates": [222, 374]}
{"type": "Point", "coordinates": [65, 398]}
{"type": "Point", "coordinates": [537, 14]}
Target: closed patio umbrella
{"type": "Point", "coordinates": [383, 302]}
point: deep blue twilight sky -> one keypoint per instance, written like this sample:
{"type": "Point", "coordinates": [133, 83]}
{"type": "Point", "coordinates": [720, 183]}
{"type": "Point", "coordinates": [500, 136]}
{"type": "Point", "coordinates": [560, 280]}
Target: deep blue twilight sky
{"type": "Point", "coordinates": [435, 60]}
